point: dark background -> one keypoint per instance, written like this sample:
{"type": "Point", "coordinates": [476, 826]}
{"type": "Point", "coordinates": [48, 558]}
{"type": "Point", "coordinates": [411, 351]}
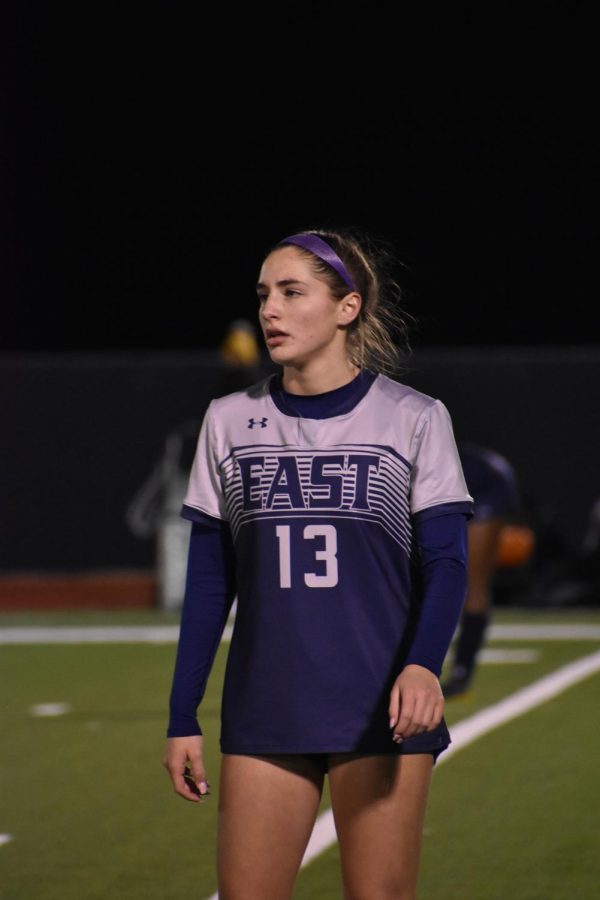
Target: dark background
{"type": "Point", "coordinates": [151, 155]}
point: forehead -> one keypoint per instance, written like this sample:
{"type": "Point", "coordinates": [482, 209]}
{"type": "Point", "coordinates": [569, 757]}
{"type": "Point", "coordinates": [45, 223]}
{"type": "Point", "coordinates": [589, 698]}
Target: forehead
{"type": "Point", "coordinates": [285, 262]}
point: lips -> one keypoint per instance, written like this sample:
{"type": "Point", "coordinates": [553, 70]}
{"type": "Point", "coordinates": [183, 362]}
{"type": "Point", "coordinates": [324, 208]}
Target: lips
{"type": "Point", "coordinates": [274, 337]}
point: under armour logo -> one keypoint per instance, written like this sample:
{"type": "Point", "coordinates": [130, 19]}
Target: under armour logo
{"type": "Point", "coordinates": [262, 422]}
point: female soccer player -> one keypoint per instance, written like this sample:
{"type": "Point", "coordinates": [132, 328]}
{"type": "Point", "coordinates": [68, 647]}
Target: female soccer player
{"type": "Point", "coordinates": [330, 498]}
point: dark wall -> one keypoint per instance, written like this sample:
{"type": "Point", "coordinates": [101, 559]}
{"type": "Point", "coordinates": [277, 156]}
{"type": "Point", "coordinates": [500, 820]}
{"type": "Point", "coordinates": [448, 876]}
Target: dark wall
{"type": "Point", "coordinates": [538, 407]}
{"type": "Point", "coordinates": [81, 434]}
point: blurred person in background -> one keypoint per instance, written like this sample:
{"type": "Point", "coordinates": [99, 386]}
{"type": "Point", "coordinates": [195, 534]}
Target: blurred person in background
{"type": "Point", "coordinates": [492, 483]}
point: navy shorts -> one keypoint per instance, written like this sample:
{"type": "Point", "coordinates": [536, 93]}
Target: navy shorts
{"type": "Point", "coordinates": [434, 742]}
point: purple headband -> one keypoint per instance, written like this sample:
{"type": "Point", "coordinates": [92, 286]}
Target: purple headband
{"type": "Point", "coordinates": [321, 249]}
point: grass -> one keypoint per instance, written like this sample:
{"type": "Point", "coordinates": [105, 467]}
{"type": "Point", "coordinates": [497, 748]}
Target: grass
{"type": "Point", "coordinates": [93, 816]}
{"type": "Point", "coordinates": [512, 815]}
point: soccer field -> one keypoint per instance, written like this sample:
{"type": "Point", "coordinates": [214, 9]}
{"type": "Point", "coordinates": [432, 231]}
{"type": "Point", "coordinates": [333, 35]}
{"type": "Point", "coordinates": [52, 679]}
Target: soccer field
{"type": "Point", "coordinates": [87, 810]}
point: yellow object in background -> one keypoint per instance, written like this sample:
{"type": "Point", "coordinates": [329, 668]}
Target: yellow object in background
{"type": "Point", "coordinates": [240, 347]}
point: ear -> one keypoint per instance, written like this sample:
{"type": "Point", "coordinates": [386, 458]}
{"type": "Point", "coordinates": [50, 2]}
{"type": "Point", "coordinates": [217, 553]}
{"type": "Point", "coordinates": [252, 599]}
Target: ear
{"type": "Point", "coordinates": [349, 308]}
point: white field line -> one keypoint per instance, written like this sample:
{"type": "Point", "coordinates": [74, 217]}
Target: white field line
{"type": "Point", "coordinates": [92, 634]}
{"type": "Point", "coordinates": [533, 632]}
{"type": "Point", "coordinates": [502, 656]}
{"type": "Point", "coordinates": [467, 731]}
{"type": "Point", "coordinates": [168, 634]}
{"type": "Point", "coordinates": [50, 709]}
{"type": "Point", "coordinates": [480, 723]}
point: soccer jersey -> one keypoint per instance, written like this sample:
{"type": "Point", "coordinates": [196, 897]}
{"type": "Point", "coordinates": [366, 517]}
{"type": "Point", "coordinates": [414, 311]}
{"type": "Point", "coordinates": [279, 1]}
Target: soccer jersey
{"type": "Point", "coordinates": [321, 512]}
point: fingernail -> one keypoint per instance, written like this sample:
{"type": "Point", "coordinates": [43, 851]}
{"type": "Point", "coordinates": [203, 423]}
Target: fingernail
{"type": "Point", "coordinates": [203, 787]}
{"type": "Point", "coordinates": [392, 722]}
{"type": "Point", "coordinates": [398, 739]}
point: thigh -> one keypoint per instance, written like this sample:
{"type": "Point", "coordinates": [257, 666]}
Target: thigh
{"type": "Point", "coordinates": [267, 808]}
{"type": "Point", "coordinates": [379, 806]}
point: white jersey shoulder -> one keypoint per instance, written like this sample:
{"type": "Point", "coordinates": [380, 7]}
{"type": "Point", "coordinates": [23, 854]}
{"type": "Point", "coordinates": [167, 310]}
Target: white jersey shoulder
{"type": "Point", "coordinates": [392, 420]}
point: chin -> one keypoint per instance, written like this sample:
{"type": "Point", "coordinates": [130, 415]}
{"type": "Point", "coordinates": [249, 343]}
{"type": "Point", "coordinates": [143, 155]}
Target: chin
{"type": "Point", "coordinates": [278, 355]}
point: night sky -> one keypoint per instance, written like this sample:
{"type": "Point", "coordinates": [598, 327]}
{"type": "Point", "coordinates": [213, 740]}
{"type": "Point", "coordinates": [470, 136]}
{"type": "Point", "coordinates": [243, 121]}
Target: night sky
{"type": "Point", "coordinates": [143, 182]}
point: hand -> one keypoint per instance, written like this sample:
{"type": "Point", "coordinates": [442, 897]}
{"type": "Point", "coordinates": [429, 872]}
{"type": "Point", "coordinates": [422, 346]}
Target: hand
{"type": "Point", "coordinates": [186, 753]}
{"type": "Point", "coordinates": [416, 703]}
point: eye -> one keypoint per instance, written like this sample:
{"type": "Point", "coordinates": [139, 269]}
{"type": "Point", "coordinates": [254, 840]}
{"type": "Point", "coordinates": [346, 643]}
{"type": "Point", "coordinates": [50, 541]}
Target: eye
{"type": "Point", "coordinates": [291, 291]}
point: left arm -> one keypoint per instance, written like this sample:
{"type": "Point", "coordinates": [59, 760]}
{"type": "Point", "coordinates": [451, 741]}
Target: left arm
{"type": "Point", "coordinates": [416, 699]}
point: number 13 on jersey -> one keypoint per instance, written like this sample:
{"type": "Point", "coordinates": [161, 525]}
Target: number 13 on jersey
{"type": "Point", "coordinates": [325, 554]}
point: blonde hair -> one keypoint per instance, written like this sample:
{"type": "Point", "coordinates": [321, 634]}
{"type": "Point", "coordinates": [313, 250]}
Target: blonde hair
{"type": "Point", "coordinates": [378, 338]}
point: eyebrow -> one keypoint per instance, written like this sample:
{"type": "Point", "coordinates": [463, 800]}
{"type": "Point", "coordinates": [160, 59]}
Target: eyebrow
{"type": "Point", "coordinates": [282, 283]}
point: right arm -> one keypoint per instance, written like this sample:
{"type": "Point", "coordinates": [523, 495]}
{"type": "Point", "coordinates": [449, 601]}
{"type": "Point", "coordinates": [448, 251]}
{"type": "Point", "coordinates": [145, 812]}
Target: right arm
{"type": "Point", "coordinates": [209, 592]}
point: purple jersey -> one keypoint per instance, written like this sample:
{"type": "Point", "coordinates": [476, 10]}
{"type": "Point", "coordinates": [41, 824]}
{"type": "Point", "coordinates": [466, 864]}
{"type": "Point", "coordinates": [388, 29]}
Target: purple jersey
{"type": "Point", "coordinates": [321, 512]}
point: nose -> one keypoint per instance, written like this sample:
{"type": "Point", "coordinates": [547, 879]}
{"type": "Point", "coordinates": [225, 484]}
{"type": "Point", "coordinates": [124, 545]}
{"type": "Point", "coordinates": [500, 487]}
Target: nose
{"type": "Point", "coordinates": [269, 307]}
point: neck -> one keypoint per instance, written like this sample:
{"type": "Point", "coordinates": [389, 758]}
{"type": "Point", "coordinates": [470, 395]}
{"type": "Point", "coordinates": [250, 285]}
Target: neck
{"type": "Point", "coordinates": [318, 379]}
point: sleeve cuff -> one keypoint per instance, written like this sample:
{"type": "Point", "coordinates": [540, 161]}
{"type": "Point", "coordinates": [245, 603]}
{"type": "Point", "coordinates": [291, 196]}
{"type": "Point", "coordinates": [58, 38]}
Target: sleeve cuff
{"type": "Point", "coordinates": [426, 663]}
{"type": "Point", "coordinates": [444, 509]}
{"type": "Point", "coordinates": [196, 515]}
{"type": "Point", "coordinates": [183, 726]}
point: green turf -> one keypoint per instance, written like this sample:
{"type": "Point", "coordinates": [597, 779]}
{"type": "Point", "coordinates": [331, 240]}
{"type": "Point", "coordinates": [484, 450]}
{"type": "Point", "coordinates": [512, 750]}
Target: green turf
{"type": "Point", "coordinates": [493, 682]}
{"type": "Point", "coordinates": [501, 802]}
{"type": "Point", "coordinates": [546, 616]}
{"type": "Point", "coordinates": [516, 814]}
{"type": "Point", "coordinates": [93, 815]}
{"type": "Point", "coordinates": [89, 804]}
